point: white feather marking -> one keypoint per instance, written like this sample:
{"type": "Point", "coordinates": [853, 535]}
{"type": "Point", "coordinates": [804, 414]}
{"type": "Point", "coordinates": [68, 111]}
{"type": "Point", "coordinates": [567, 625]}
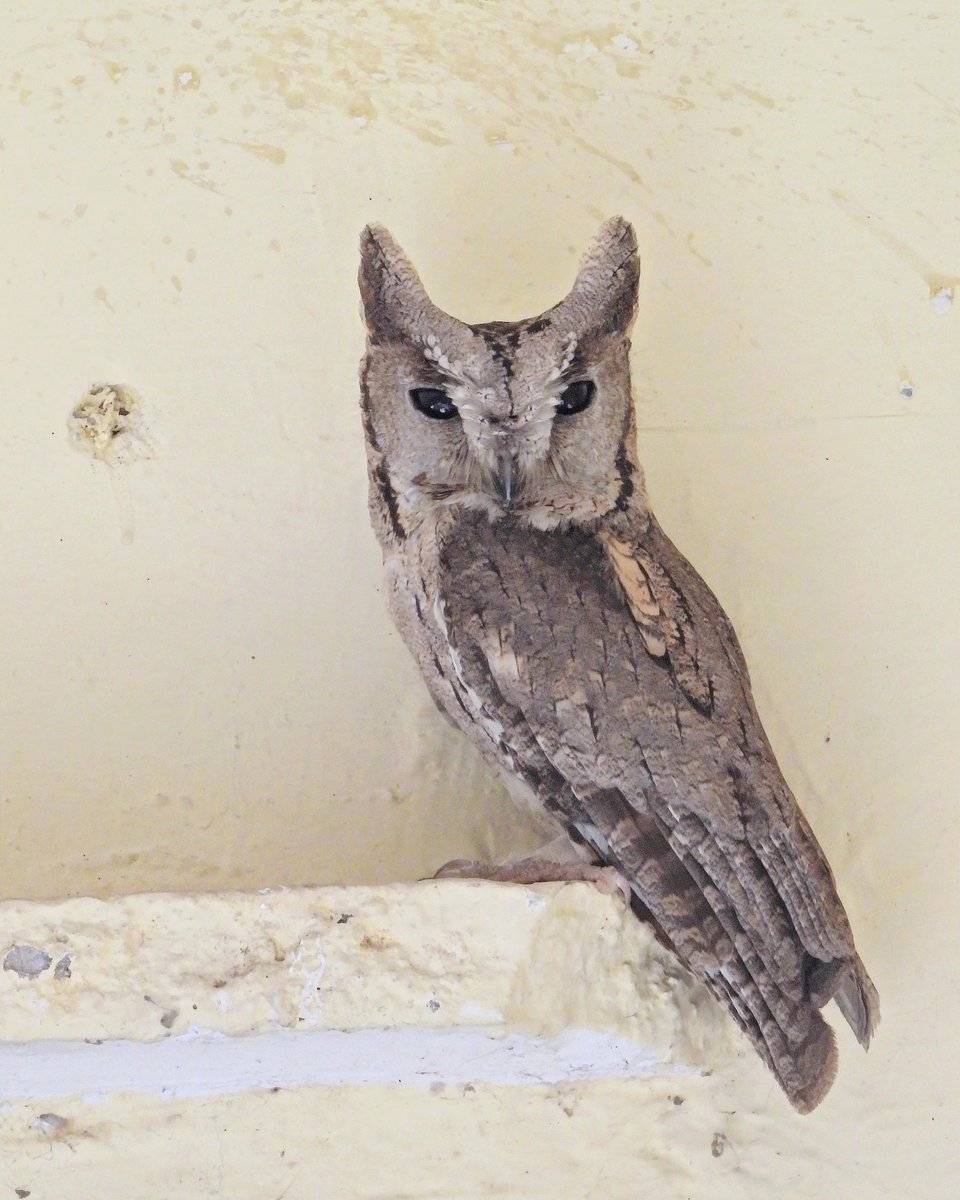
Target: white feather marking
{"type": "Point", "coordinates": [493, 728]}
{"type": "Point", "coordinates": [433, 352]}
{"type": "Point", "coordinates": [569, 350]}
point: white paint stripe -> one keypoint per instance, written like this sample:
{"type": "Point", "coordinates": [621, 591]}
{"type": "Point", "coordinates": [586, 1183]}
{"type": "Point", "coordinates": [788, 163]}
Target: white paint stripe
{"type": "Point", "coordinates": [200, 1063]}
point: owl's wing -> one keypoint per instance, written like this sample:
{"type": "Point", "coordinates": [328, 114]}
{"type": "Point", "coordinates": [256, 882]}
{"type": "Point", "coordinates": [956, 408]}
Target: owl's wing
{"type": "Point", "coordinates": [682, 625]}
{"type": "Point", "coordinates": [624, 668]}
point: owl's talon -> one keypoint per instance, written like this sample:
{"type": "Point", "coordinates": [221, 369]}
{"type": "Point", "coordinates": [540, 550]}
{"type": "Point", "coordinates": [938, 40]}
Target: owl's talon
{"type": "Point", "coordinates": [606, 880]}
{"type": "Point", "coordinates": [609, 880]}
{"type": "Point", "coordinates": [462, 868]}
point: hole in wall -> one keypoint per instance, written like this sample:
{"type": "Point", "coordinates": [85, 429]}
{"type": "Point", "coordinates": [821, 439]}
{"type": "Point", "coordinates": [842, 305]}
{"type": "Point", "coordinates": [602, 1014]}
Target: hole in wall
{"type": "Point", "coordinates": [108, 424]}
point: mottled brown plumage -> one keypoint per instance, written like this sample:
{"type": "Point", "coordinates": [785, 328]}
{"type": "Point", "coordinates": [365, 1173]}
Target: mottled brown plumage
{"type": "Point", "coordinates": [558, 626]}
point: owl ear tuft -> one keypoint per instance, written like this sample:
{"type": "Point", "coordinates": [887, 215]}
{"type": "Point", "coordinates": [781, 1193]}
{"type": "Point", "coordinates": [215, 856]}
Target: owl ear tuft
{"type": "Point", "coordinates": [604, 294]}
{"type": "Point", "coordinates": [394, 300]}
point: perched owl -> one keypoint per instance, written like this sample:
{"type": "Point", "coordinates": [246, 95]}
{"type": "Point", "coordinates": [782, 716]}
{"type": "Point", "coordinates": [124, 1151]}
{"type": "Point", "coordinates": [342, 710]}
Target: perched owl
{"type": "Point", "coordinates": [561, 630]}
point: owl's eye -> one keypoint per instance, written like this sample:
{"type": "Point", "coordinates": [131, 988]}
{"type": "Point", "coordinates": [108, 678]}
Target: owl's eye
{"type": "Point", "coordinates": [575, 398]}
{"type": "Point", "coordinates": [433, 402]}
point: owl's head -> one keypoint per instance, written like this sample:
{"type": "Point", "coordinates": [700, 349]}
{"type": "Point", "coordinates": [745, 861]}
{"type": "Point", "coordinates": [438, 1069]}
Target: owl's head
{"type": "Point", "coordinates": [529, 419]}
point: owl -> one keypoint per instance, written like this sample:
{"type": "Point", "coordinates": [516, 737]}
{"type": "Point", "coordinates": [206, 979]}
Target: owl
{"type": "Point", "coordinates": [560, 629]}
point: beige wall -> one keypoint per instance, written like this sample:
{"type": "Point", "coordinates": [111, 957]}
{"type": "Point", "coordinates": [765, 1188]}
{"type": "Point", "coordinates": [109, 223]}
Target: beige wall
{"type": "Point", "coordinates": [199, 687]}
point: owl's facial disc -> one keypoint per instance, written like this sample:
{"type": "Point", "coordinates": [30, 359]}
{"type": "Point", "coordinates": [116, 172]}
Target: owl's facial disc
{"type": "Point", "coordinates": [497, 415]}
{"type": "Point", "coordinates": [519, 416]}
{"type": "Point", "coordinates": [523, 448]}
{"type": "Point", "coordinates": [530, 418]}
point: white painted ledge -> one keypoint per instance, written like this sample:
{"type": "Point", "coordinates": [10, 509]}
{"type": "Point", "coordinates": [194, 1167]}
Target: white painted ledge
{"type": "Point", "coordinates": [401, 994]}
{"type": "Point", "coordinates": [207, 1064]}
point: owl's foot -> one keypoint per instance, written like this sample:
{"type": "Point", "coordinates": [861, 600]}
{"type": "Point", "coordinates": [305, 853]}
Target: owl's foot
{"type": "Point", "coordinates": [539, 870]}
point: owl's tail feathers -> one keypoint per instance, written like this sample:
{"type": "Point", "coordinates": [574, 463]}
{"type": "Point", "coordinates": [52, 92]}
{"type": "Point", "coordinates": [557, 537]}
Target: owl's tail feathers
{"type": "Point", "coordinates": [846, 981]}
{"type": "Point", "coordinates": [808, 1075]}
{"type": "Point", "coordinates": [790, 1035]}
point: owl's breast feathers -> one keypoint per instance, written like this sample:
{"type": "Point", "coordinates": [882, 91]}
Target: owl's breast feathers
{"type": "Point", "coordinates": [599, 666]}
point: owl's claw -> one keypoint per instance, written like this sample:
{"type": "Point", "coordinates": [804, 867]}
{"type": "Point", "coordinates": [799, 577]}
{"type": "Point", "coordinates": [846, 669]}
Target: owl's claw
{"type": "Point", "coordinates": [538, 870]}
{"type": "Point", "coordinates": [609, 880]}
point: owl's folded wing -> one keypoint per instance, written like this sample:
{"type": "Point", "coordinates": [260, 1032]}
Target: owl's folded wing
{"type": "Point", "coordinates": [698, 643]}
{"type": "Point", "coordinates": [644, 708]}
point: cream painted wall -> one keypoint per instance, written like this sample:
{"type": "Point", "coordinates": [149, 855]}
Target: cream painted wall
{"type": "Point", "coordinates": [200, 687]}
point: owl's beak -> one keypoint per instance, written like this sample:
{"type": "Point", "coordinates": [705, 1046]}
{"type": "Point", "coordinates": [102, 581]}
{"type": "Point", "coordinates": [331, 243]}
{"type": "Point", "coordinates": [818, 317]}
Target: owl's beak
{"type": "Point", "coordinates": [504, 477]}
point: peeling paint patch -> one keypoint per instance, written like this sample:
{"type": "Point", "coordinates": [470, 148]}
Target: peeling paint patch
{"type": "Point", "coordinates": [186, 79]}
{"type": "Point", "coordinates": [26, 961]}
{"type": "Point", "coordinates": [309, 962]}
{"type": "Point", "coordinates": [62, 969]}
{"type": "Point", "coordinates": [51, 1124]}
{"type": "Point", "coordinates": [168, 1016]}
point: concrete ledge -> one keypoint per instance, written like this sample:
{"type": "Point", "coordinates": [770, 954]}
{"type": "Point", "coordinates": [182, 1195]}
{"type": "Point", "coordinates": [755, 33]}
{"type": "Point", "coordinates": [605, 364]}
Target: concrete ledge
{"type": "Point", "coordinates": [140, 1035]}
{"type": "Point", "coordinates": [434, 956]}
